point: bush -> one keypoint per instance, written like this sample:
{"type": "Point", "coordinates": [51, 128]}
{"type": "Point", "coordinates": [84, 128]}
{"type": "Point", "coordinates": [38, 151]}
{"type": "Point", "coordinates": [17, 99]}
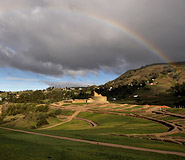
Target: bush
{"type": "Point", "coordinates": [42, 122]}
{"type": "Point", "coordinates": [14, 109]}
{"type": "Point", "coordinates": [42, 108]}
{"type": "Point", "coordinates": [178, 89]}
{"type": "Point", "coordinates": [58, 111]}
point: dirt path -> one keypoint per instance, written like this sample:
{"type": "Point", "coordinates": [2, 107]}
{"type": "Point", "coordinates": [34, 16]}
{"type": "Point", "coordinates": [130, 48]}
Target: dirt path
{"type": "Point", "coordinates": [68, 120]}
{"type": "Point", "coordinates": [98, 143]}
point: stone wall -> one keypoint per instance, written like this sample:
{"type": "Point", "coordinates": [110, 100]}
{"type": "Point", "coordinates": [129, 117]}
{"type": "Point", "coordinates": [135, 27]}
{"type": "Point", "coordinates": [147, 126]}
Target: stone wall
{"type": "Point", "coordinates": [80, 101]}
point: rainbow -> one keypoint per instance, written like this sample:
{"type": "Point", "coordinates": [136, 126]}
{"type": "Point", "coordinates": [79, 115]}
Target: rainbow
{"type": "Point", "coordinates": [130, 33]}
{"type": "Point", "coordinates": [115, 25]}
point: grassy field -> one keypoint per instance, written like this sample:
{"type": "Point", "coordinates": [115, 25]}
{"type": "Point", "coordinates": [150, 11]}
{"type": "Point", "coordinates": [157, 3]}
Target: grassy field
{"type": "Point", "coordinates": [168, 118]}
{"type": "Point", "coordinates": [114, 124]}
{"type": "Point", "coordinates": [122, 124]}
{"type": "Point", "coordinates": [23, 146]}
{"type": "Point", "coordinates": [137, 142]}
{"type": "Point", "coordinates": [136, 107]}
{"type": "Point", "coordinates": [178, 134]}
{"type": "Point", "coordinates": [20, 146]}
{"type": "Point", "coordinates": [67, 113]}
{"type": "Point", "coordinates": [177, 110]}
{"type": "Point", "coordinates": [74, 125]}
{"type": "Point", "coordinates": [52, 121]}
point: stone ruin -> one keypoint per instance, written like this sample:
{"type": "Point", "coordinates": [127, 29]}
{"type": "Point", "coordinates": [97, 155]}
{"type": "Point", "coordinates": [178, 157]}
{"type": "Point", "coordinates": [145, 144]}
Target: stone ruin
{"type": "Point", "coordinates": [96, 98]}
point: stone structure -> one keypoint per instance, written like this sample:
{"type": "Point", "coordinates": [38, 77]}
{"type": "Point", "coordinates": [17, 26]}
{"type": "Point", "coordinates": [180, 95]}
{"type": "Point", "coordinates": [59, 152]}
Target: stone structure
{"type": "Point", "coordinates": [79, 101]}
{"type": "Point", "coordinates": [97, 98]}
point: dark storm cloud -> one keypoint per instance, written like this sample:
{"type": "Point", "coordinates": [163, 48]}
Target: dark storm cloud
{"type": "Point", "coordinates": [58, 38]}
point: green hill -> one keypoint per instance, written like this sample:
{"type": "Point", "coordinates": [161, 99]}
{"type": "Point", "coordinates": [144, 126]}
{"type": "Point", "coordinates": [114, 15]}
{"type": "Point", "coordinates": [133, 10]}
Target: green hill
{"type": "Point", "coordinates": [148, 82]}
{"type": "Point", "coordinates": [164, 75]}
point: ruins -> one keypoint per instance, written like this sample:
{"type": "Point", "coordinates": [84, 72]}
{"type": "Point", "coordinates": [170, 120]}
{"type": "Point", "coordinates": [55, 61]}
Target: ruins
{"type": "Point", "coordinates": [96, 98]}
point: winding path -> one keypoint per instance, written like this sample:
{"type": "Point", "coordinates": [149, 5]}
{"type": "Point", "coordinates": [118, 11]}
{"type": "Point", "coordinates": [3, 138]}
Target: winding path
{"type": "Point", "coordinates": [68, 120]}
{"type": "Point", "coordinates": [98, 143]}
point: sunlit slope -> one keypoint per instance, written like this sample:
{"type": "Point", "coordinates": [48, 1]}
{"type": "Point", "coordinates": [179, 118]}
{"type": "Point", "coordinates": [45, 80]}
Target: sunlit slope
{"type": "Point", "coordinates": [157, 77]}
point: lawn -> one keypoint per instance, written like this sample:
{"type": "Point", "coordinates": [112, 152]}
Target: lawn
{"type": "Point", "coordinates": [20, 146]}
{"type": "Point", "coordinates": [67, 112]}
{"type": "Point", "coordinates": [109, 123]}
{"type": "Point", "coordinates": [113, 124]}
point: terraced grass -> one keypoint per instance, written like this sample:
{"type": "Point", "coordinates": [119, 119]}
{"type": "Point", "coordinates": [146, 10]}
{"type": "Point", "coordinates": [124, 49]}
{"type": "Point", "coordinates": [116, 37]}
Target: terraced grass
{"type": "Point", "coordinates": [177, 110]}
{"type": "Point", "coordinates": [20, 146]}
{"type": "Point", "coordinates": [74, 125]}
{"type": "Point", "coordinates": [67, 112]}
{"type": "Point", "coordinates": [122, 124]}
{"type": "Point", "coordinates": [51, 121]}
{"type": "Point", "coordinates": [168, 118]}
{"type": "Point", "coordinates": [136, 107]}
{"type": "Point", "coordinates": [178, 135]}
{"type": "Point", "coordinates": [80, 104]}
{"type": "Point", "coordinates": [113, 124]}
{"type": "Point", "coordinates": [87, 134]}
{"type": "Point", "coordinates": [66, 104]}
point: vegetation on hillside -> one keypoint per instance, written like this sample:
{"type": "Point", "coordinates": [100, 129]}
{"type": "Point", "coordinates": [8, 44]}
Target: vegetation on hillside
{"type": "Point", "coordinates": [161, 84]}
{"type": "Point", "coordinates": [27, 115]}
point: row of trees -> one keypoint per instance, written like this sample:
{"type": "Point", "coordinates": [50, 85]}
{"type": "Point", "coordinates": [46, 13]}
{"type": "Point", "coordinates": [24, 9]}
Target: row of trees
{"type": "Point", "coordinates": [40, 96]}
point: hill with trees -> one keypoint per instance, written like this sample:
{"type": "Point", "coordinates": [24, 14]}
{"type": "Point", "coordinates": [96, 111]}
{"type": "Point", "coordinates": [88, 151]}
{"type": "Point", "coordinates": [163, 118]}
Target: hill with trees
{"type": "Point", "coordinates": [151, 84]}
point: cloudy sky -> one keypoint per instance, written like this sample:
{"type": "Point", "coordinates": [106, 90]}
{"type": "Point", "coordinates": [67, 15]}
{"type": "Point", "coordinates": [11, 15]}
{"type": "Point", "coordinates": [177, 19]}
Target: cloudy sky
{"type": "Point", "coordinates": [85, 42]}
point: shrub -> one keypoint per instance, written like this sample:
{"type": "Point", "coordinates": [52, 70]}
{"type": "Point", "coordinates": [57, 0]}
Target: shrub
{"type": "Point", "coordinates": [178, 89]}
{"type": "Point", "coordinates": [14, 109]}
{"type": "Point", "coordinates": [42, 122]}
{"type": "Point", "coordinates": [42, 108]}
{"type": "Point", "coordinates": [58, 111]}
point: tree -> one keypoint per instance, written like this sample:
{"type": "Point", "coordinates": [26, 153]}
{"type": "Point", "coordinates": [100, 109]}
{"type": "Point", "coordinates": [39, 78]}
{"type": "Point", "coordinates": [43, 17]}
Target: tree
{"type": "Point", "coordinates": [178, 89]}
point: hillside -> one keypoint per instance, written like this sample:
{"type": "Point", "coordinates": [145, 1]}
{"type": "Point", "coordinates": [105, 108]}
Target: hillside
{"type": "Point", "coordinates": [163, 75]}
{"type": "Point", "coordinates": [149, 81]}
